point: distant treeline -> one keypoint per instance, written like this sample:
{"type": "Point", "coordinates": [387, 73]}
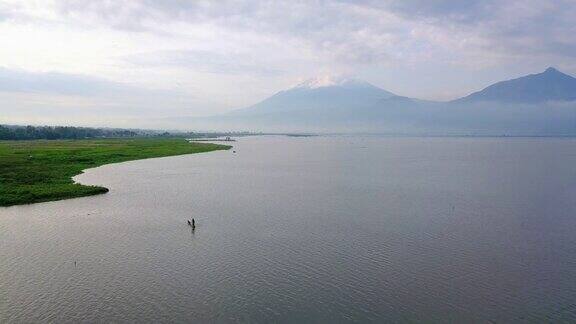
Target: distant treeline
{"type": "Point", "coordinates": [59, 132]}
{"type": "Point", "coordinates": [9, 132]}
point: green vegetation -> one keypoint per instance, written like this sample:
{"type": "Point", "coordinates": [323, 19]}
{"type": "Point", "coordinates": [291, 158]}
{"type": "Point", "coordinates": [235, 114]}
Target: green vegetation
{"type": "Point", "coordinates": [36, 171]}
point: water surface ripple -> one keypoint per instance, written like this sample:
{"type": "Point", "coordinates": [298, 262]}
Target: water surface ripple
{"type": "Point", "coordinates": [300, 230]}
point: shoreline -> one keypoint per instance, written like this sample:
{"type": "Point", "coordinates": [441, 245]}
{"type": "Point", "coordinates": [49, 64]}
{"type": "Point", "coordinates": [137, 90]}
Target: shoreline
{"type": "Point", "coordinates": [43, 171]}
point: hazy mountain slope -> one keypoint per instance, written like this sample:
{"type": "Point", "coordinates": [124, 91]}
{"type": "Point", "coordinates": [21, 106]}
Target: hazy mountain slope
{"type": "Point", "coordinates": [323, 94]}
{"type": "Point", "coordinates": [550, 85]}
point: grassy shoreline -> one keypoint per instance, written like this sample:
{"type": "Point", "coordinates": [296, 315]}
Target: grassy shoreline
{"type": "Point", "coordinates": [42, 170]}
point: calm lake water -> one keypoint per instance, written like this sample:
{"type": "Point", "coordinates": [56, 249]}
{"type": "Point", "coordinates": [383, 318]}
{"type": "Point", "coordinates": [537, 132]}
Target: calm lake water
{"type": "Point", "coordinates": [319, 229]}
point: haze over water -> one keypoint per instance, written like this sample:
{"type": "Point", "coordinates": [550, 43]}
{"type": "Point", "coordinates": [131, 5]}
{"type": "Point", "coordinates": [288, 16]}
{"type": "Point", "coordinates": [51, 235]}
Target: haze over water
{"type": "Point", "coordinates": [320, 229]}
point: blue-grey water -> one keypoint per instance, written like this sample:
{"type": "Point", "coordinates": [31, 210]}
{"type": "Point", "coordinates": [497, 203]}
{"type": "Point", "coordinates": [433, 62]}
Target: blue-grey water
{"type": "Point", "coordinates": [318, 229]}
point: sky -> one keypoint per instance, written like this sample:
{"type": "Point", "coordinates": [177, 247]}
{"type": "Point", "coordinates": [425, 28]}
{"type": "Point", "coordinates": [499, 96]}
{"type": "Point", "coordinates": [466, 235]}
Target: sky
{"type": "Point", "coordinates": [120, 63]}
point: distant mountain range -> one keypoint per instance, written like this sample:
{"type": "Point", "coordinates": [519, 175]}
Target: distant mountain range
{"type": "Point", "coordinates": [326, 93]}
{"type": "Point", "coordinates": [538, 104]}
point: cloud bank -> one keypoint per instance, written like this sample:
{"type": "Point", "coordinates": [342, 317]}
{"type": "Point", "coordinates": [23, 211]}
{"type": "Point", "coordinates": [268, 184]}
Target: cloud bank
{"type": "Point", "coordinates": [206, 57]}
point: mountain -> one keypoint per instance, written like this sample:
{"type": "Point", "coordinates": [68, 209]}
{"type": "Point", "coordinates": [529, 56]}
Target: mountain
{"type": "Point", "coordinates": [535, 105]}
{"type": "Point", "coordinates": [321, 94]}
{"type": "Point", "coordinates": [550, 85]}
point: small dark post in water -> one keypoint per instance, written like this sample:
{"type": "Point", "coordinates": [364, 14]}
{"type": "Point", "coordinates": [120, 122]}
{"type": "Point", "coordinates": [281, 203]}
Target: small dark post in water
{"type": "Point", "coordinates": [189, 223]}
{"type": "Point", "coordinates": [193, 223]}
{"type": "Point", "coordinates": [74, 264]}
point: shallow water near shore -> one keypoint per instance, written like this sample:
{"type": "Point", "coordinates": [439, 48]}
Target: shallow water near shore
{"type": "Point", "coordinates": [310, 229]}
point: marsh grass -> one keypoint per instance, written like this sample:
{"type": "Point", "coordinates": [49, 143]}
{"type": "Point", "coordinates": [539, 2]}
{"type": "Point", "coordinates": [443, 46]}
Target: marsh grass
{"type": "Point", "coordinates": [37, 171]}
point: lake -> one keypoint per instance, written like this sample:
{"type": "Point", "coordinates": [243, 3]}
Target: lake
{"type": "Point", "coordinates": [307, 229]}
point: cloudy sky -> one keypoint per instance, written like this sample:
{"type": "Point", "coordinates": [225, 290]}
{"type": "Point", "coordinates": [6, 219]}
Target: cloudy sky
{"type": "Point", "coordinates": [115, 63]}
